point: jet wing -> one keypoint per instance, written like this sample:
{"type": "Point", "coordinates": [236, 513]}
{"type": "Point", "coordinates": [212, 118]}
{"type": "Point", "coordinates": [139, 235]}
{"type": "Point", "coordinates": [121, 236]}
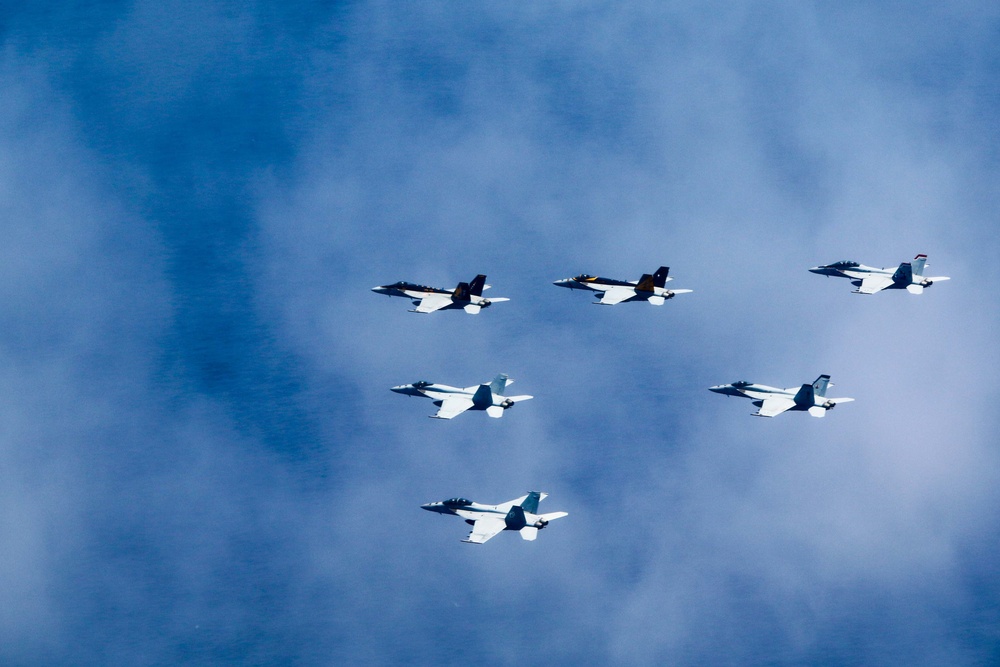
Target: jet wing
{"type": "Point", "coordinates": [485, 529]}
{"type": "Point", "coordinates": [433, 302]}
{"type": "Point", "coordinates": [873, 284]}
{"type": "Point", "coordinates": [452, 407]}
{"type": "Point", "coordinates": [617, 295]}
{"type": "Point", "coordinates": [774, 406]}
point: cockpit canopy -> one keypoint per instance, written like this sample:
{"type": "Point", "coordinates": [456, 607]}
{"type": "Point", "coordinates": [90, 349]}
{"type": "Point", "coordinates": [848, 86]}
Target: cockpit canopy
{"type": "Point", "coordinates": [584, 276]}
{"type": "Point", "coordinates": [844, 264]}
{"type": "Point", "coordinates": [456, 502]}
{"type": "Point", "coordinates": [742, 383]}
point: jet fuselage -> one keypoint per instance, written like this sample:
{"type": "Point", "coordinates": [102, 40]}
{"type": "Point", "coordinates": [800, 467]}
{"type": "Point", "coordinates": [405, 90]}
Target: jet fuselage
{"type": "Point", "coordinates": [772, 401]}
{"type": "Point", "coordinates": [870, 280]}
{"type": "Point", "coordinates": [520, 514]}
{"type": "Point", "coordinates": [650, 288]}
{"type": "Point", "coordinates": [453, 401]}
{"type": "Point", "coordinates": [466, 296]}
{"type": "Point", "coordinates": [440, 392]}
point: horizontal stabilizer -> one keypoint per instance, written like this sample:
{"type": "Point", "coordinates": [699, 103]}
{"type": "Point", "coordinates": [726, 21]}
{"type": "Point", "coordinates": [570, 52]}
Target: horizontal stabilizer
{"type": "Point", "coordinates": [915, 289]}
{"type": "Point", "coordinates": [495, 411]}
{"type": "Point", "coordinates": [817, 411]}
{"type": "Point", "coordinates": [529, 533]}
{"type": "Point", "coordinates": [680, 291]}
{"type": "Point", "coordinates": [656, 300]}
{"type": "Point", "coordinates": [472, 309]}
{"type": "Point", "coordinates": [551, 516]}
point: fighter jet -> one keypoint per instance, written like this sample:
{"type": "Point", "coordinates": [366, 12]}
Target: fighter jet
{"type": "Point", "coordinates": [648, 288]}
{"type": "Point", "coordinates": [870, 280]}
{"type": "Point", "coordinates": [772, 401]}
{"type": "Point", "coordinates": [487, 521]}
{"type": "Point", "coordinates": [467, 296]}
{"type": "Point", "coordinates": [453, 401]}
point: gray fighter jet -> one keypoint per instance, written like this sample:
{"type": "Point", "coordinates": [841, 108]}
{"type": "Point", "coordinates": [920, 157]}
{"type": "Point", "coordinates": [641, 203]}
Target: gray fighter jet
{"type": "Point", "coordinates": [649, 288]}
{"type": "Point", "coordinates": [869, 280]}
{"type": "Point", "coordinates": [467, 296]}
{"type": "Point", "coordinates": [772, 401]}
{"type": "Point", "coordinates": [487, 521]}
{"type": "Point", "coordinates": [453, 401]}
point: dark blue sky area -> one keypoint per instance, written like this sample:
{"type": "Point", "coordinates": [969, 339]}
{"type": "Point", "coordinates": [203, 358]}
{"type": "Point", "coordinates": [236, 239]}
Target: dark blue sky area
{"type": "Point", "coordinates": [200, 460]}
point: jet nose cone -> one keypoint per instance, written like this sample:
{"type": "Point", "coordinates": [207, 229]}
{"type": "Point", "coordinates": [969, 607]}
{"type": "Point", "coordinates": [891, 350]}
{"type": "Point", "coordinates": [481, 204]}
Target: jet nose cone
{"type": "Point", "coordinates": [427, 506]}
{"type": "Point", "coordinates": [719, 388]}
{"type": "Point", "coordinates": [565, 282]}
{"type": "Point", "coordinates": [400, 388]}
{"type": "Point", "coordinates": [818, 269]}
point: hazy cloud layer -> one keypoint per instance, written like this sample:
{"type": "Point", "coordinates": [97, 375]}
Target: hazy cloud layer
{"type": "Point", "coordinates": [202, 460]}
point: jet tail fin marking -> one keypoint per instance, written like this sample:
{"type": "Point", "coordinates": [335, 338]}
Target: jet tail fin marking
{"type": "Point", "coordinates": [500, 383]}
{"type": "Point", "coordinates": [476, 286]}
{"type": "Point", "coordinates": [660, 277]}
{"type": "Point", "coordinates": [918, 266]}
{"type": "Point", "coordinates": [483, 398]}
{"type": "Point", "coordinates": [808, 393]}
{"type": "Point", "coordinates": [904, 274]}
{"type": "Point", "coordinates": [645, 283]}
{"type": "Point", "coordinates": [515, 519]}
{"type": "Point", "coordinates": [804, 396]}
{"type": "Point", "coordinates": [461, 292]}
{"type": "Point", "coordinates": [530, 503]}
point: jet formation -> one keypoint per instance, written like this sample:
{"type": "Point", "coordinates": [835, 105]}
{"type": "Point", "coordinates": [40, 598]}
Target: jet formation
{"type": "Point", "coordinates": [466, 296]}
{"type": "Point", "coordinates": [521, 514]}
{"type": "Point", "coordinates": [453, 401]}
{"type": "Point", "coordinates": [649, 288]}
{"type": "Point", "coordinates": [869, 280]}
{"type": "Point", "coordinates": [772, 401]}
{"type": "Point", "coordinates": [487, 521]}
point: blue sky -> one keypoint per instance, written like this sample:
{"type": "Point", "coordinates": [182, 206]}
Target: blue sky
{"type": "Point", "coordinates": [200, 460]}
